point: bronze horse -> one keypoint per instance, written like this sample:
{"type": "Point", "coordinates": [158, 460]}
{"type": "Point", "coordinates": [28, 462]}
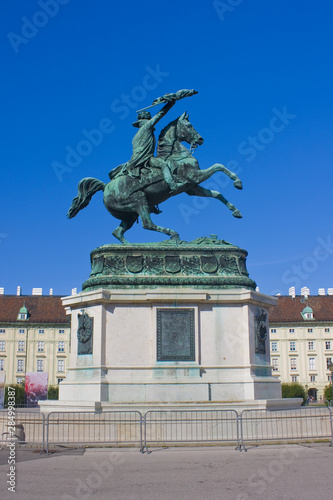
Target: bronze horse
{"type": "Point", "coordinates": [126, 197]}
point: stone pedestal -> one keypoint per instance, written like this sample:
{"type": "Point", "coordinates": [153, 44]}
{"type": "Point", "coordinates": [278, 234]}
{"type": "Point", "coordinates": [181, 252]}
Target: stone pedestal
{"type": "Point", "coordinates": [173, 326]}
{"type": "Point", "coordinates": [124, 366]}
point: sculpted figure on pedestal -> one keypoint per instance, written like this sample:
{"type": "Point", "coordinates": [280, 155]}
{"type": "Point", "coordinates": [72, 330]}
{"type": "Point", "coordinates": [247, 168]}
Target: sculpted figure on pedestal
{"type": "Point", "coordinates": [137, 187]}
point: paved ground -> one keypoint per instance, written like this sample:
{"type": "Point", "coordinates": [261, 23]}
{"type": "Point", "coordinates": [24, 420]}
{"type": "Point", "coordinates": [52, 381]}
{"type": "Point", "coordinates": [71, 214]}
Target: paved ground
{"type": "Point", "coordinates": [275, 472]}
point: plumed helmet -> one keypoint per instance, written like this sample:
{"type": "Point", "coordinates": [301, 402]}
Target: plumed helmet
{"type": "Point", "coordinates": [142, 115]}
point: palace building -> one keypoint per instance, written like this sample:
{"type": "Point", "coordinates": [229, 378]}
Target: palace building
{"type": "Point", "coordinates": [301, 340]}
{"type": "Point", "coordinates": [34, 336]}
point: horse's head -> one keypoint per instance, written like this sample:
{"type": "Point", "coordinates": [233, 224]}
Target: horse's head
{"type": "Point", "coordinates": [186, 132]}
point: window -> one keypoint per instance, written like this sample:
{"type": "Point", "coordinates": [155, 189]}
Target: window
{"type": "Point", "coordinates": [21, 330]}
{"type": "Point", "coordinates": [60, 380]}
{"type": "Point", "coordinates": [312, 378]}
{"type": "Point", "coordinates": [310, 330]}
{"type": "Point", "coordinates": [40, 346]}
{"type": "Point", "coordinates": [328, 344]}
{"type": "Point", "coordinates": [2, 330]}
{"type": "Point", "coordinates": [41, 331]}
{"type": "Point", "coordinates": [2, 365]}
{"type": "Point", "coordinates": [275, 364]}
{"type": "Point", "coordinates": [273, 330]}
{"type": "Point", "coordinates": [292, 346]}
{"type": "Point", "coordinates": [293, 365]}
{"type": "Point", "coordinates": [312, 363]}
{"type": "Point", "coordinates": [328, 363]}
{"type": "Point", "coordinates": [291, 330]}
{"type": "Point", "coordinates": [20, 365]}
{"type": "Point", "coordinates": [310, 346]}
{"type": "Point", "coordinates": [61, 365]}
{"type": "Point", "coordinates": [294, 378]}
{"type": "Point", "coordinates": [20, 345]}
{"type": "Point", "coordinates": [327, 330]}
{"type": "Point", "coordinates": [61, 346]}
{"type": "Point", "coordinates": [330, 378]}
{"type": "Point", "coordinates": [61, 331]}
{"type": "Point", "coordinates": [40, 365]}
{"type": "Point", "coordinates": [2, 345]}
{"type": "Point", "coordinates": [274, 346]}
{"type": "Point", "coordinates": [20, 380]}
{"type": "Point", "coordinates": [22, 316]}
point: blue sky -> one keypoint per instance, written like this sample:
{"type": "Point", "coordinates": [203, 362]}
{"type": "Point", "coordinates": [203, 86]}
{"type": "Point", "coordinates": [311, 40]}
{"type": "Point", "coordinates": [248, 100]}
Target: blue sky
{"type": "Point", "coordinates": [264, 75]}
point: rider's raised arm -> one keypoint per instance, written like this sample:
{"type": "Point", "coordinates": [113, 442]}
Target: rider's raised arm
{"type": "Point", "coordinates": [162, 112]}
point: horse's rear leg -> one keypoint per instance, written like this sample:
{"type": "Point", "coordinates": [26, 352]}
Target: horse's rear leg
{"type": "Point", "coordinates": [124, 226]}
{"type": "Point", "coordinates": [147, 223]}
{"type": "Point", "coordinates": [201, 191]}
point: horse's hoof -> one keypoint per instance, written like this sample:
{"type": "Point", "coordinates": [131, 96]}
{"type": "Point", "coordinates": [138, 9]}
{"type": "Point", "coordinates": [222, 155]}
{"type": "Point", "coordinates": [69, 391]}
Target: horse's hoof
{"type": "Point", "coordinates": [237, 214]}
{"type": "Point", "coordinates": [238, 184]}
{"type": "Point", "coordinates": [175, 237]}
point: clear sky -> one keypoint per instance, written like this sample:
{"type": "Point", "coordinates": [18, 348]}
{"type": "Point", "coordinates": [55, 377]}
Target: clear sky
{"type": "Point", "coordinates": [264, 75]}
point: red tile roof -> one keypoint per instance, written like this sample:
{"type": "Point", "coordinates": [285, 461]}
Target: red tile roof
{"type": "Point", "coordinates": [42, 309]}
{"type": "Point", "coordinates": [288, 310]}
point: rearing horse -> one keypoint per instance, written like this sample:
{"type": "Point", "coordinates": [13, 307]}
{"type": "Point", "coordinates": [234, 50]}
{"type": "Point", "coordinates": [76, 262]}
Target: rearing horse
{"type": "Point", "coordinates": [126, 198]}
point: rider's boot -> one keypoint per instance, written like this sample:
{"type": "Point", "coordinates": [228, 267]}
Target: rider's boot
{"type": "Point", "coordinates": [170, 180]}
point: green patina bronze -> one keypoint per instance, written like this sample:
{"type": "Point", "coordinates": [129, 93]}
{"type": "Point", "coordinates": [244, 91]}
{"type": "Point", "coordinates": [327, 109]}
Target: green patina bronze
{"type": "Point", "coordinates": [205, 263]}
{"type": "Point", "coordinates": [175, 335]}
{"type": "Point", "coordinates": [85, 333]}
{"type": "Point", "coordinates": [138, 186]}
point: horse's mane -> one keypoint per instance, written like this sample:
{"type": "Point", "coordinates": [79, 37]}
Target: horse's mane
{"type": "Point", "coordinates": [164, 145]}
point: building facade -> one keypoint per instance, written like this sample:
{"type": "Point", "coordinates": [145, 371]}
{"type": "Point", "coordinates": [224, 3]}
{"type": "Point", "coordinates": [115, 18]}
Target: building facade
{"type": "Point", "coordinates": [34, 337]}
{"type": "Point", "coordinates": [301, 341]}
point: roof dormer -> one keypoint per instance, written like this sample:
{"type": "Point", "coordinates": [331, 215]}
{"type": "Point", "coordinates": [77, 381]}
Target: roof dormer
{"type": "Point", "coordinates": [23, 314]}
{"type": "Point", "coordinates": [307, 313]}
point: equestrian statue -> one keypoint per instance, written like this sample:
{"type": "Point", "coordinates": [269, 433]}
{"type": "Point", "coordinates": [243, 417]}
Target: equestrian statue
{"type": "Point", "coordinates": [137, 187]}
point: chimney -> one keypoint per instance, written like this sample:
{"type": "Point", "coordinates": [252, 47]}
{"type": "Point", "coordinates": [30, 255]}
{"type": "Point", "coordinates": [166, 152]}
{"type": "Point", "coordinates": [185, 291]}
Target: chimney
{"type": "Point", "coordinates": [321, 291]}
{"type": "Point", "coordinates": [329, 291]}
{"type": "Point", "coordinates": [51, 291]}
{"type": "Point", "coordinates": [74, 291]}
{"type": "Point", "coordinates": [18, 291]}
{"type": "Point", "coordinates": [257, 289]}
{"type": "Point", "coordinates": [305, 291]}
{"type": "Point", "coordinates": [292, 292]}
{"type": "Point", "coordinates": [2, 290]}
{"type": "Point", "coordinates": [37, 291]}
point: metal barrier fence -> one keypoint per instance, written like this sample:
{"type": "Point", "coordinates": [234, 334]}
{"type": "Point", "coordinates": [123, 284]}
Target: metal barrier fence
{"type": "Point", "coordinates": [110, 427]}
{"type": "Point", "coordinates": [29, 427]}
{"type": "Point", "coordinates": [166, 427]}
{"type": "Point", "coordinates": [277, 425]}
{"type": "Point", "coordinates": [162, 427]}
{"type": "Point", "coordinates": [331, 423]}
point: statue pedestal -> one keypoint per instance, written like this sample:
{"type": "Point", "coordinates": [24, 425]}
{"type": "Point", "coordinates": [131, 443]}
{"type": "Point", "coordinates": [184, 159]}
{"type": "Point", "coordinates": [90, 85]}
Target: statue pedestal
{"type": "Point", "coordinates": [173, 326]}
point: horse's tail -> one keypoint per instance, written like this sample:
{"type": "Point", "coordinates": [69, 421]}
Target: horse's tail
{"type": "Point", "coordinates": [87, 187]}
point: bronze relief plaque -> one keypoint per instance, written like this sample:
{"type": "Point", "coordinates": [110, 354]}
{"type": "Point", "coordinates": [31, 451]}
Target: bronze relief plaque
{"type": "Point", "coordinates": [175, 335]}
{"type": "Point", "coordinates": [85, 333]}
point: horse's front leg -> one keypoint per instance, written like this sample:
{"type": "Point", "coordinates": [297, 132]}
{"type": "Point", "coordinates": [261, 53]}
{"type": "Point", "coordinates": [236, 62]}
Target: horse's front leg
{"type": "Point", "coordinates": [210, 193]}
{"type": "Point", "coordinates": [198, 176]}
